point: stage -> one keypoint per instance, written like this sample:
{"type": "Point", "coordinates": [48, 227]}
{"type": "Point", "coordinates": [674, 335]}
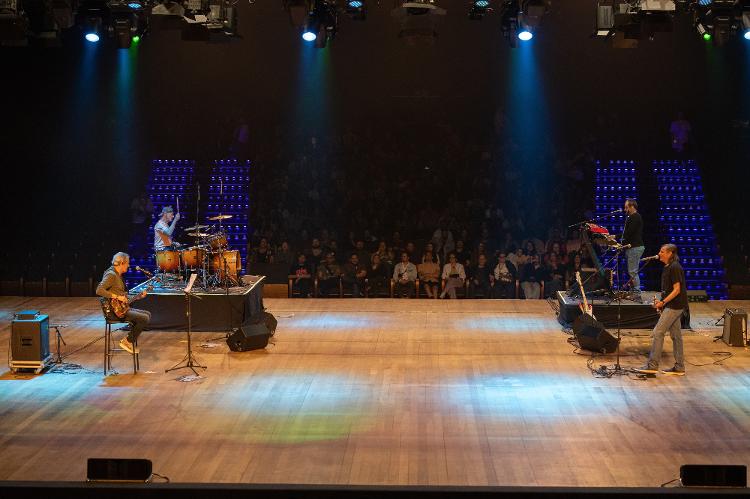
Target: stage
{"type": "Point", "coordinates": [631, 314]}
{"type": "Point", "coordinates": [210, 310]}
{"type": "Point", "coordinates": [378, 392]}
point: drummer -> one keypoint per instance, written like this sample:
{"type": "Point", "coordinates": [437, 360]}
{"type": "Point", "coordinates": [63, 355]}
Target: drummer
{"type": "Point", "coordinates": [163, 229]}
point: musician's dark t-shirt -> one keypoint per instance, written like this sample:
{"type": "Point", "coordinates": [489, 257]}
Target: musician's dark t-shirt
{"type": "Point", "coordinates": [671, 274]}
{"type": "Point", "coordinates": [633, 233]}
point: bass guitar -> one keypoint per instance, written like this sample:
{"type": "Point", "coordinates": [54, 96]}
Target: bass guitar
{"type": "Point", "coordinates": [586, 307]}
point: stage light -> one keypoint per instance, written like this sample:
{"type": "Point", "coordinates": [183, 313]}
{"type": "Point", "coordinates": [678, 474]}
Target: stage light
{"type": "Point", "coordinates": [91, 37]}
{"type": "Point", "coordinates": [135, 5]}
{"type": "Point", "coordinates": [136, 39]}
{"type": "Point", "coordinates": [322, 23]}
{"type": "Point", "coordinates": [525, 36]}
{"type": "Point", "coordinates": [707, 37]}
{"type": "Point", "coordinates": [705, 3]}
{"type": "Point", "coordinates": [309, 36]}
{"type": "Point", "coordinates": [356, 9]}
{"type": "Point", "coordinates": [746, 36]}
{"type": "Point", "coordinates": [478, 9]}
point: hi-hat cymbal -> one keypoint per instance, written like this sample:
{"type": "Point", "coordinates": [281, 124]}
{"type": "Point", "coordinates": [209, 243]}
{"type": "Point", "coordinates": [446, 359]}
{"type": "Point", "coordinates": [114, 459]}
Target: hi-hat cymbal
{"type": "Point", "coordinates": [196, 227]}
{"type": "Point", "coordinates": [198, 234]}
{"type": "Point", "coordinates": [220, 217]}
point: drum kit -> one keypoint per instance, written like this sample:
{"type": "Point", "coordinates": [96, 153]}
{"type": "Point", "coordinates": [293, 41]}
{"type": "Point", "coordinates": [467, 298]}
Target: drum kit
{"type": "Point", "coordinates": [209, 256]}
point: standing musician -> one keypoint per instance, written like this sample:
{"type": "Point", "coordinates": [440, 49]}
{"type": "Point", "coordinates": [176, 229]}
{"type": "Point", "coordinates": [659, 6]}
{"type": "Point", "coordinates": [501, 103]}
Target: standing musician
{"type": "Point", "coordinates": [633, 235]}
{"type": "Point", "coordinates": [113, 286]}
{"type": "Point", "coordinates": [163, 230]}
{"type": "Point", "coordinates": [673, 302]}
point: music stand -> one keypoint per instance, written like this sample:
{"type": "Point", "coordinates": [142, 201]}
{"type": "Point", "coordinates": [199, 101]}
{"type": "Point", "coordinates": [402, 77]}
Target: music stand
{"type": "Point", "coordinates": [189, 361]}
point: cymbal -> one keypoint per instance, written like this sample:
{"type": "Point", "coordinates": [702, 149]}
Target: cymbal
{"type": "Point", "coordinates": [220, 217]}
{"type": "Point", "coordinates": [196, 227]}
{"type": "Point", "coordinates": [198, 234]}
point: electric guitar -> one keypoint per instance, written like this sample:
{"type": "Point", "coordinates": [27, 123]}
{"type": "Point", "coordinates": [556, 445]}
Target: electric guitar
{"type": "Point", "coordinates": [120, 308]}
{"type": "Point", "coordinates": [586, 308]}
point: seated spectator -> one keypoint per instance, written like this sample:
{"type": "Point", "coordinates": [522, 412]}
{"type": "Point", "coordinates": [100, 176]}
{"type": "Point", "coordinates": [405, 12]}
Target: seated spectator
{"type": "Point", "coordinates": [555, 278]}
{"type": "Point", "coordinates": [378, 276]}
{"type": "Point", "coordinates": [329, 275]}
{"type": "Point", "coordinates": [505, 278]}
{"type": "Point", "coordinates": [532, 275]}
{"type": "Point", "coordinates": [411, 250]}
{"type": "Point", "coordinates": [405, 276]}
{"type": "Point", "coordinates": [263, 253]}
{"type": "Point", "coordinates": [570, 273]}
{"type": "Point", "coordinates": [556, 248]}
{"type": "Point", "coordinates": [284, 254]}
{"type": "Point", "coordinates": [353, 275]}
{"type": "Point", "coordinates": [362, 254]}
{"type": "Point", "coordinates": [429, 247]}
{"type": "Point", "coordinates": [482, 279]}
{"type": "Point", "coordinates": [463, 256]}
{"type": "Point", "coordinates": [303, 276]}
{"type": "Point", "coordinates": [315, 253]}
{"type": "Point", "coordinates": [454, 276]}
{"type": "Point", "coordinates": [429, 274]}
{"type": "Point", "coordinates": [518, 258]}
{"type": "Point", "coordinates": [529, 248]}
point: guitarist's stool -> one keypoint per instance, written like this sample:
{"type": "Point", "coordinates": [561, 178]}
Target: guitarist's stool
{"type": "Point", "coordinates": [110, 347]}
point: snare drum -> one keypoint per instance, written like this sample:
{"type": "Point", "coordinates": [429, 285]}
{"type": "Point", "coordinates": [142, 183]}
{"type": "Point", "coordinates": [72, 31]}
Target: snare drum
{"type": "Point", "coordinates": [233, 263]}
{"type": "Point", "coordinates": [168, 260]}
{"type": "Point", "coordinates": [217, 241]}
{"type": "Point", "coordinates": [192, 258]}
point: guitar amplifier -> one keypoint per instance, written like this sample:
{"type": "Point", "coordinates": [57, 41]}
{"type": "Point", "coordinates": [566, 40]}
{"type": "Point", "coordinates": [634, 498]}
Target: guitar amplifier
{"type": "Point", "coordinates": [30, 342]}
{"type": "Point", "coordinates": [735, 327]}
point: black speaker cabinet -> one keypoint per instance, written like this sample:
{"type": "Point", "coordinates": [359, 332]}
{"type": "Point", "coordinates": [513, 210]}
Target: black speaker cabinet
{"type": "Point", "coordinates": [30, 339]}
{"type": "Point", "coordinates": [735, 327]}
{"type": "Point", "coordinates": [592, 336]}
{"type": "Point", "coordinates": [118, 470]}
{"type": "Point", "coordinates": [250, 337]}
{"type": "Point", "coordinates": [713, 475]}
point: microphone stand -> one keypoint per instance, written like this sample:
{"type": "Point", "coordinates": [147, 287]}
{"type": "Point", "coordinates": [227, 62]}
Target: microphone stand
{"type": "Point", "coordinates": [617, 369]}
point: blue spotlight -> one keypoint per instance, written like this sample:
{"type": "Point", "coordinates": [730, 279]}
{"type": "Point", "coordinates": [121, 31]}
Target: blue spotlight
{"type": "Point", "coordinates": [525, 35]}
{"type": "Point", "coordinates": [747, 34]}
{"type": "Point", "coordinates": [355, 4]}
{"type": "Point", "coordinates": [309, 36]}
{"type": "Point", "coordinates": [705, 3]}
{"type": "Point", "coordinates": [134, 5]}
{"type": "Point", "coordinates": [92, 37]}
{"type": "Point", "coordinates": [482, 4]}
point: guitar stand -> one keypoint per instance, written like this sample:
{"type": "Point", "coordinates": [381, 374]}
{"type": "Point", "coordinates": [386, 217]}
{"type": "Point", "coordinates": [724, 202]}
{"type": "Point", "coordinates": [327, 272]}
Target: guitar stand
{"type": "Point", "coordinates": [189, 361]}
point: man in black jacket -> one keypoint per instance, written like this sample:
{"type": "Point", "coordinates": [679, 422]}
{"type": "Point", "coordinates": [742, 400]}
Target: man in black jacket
{"type": "Point", "coordinates": [633, 235]}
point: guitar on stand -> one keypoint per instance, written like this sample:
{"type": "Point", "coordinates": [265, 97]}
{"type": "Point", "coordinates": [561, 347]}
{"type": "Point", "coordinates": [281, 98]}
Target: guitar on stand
{"type": "Point", "coordinates": [585, 306]}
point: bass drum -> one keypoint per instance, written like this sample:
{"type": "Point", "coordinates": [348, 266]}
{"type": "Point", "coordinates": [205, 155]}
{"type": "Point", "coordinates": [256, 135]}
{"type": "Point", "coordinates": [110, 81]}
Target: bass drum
{"type": "Point", "coordinates": [233, 264]}
{"type": "Point", "coordinates": [192, 258]}
{"type": "Point", "coordinates": [168, 260]}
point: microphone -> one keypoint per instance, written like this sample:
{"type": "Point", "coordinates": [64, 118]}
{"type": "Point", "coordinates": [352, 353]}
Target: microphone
{"type": "Point", "coordinates": [618, 210]}
{"type": "Point", "coordinates": [148, 274]}
{"type": "Point", "coordinates": [654, 257]}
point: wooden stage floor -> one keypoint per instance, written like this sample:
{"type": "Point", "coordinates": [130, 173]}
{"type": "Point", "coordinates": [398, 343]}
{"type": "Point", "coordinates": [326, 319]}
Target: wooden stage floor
{"type": "Point", "coordinates": [398, 392]}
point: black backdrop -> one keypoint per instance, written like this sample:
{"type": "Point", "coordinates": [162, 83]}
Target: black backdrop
{"type": "Point", "coordinates": [76, 147]}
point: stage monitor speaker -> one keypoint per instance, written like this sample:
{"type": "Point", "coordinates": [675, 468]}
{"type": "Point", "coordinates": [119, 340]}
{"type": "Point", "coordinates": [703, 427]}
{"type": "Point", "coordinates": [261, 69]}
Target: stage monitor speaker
{"type": "Point", "coordinates": [118, 470]}
{"type": "Point", "coordinates": [735, 327]}
{"type": "Point", "coordinates": [30, 337]}
{"type": "Point", "coordinates": [592, 336]}
{"type": "Point", "coordinates": [713, 475]}
{"type": "Point", "coordinates": [253, 336]}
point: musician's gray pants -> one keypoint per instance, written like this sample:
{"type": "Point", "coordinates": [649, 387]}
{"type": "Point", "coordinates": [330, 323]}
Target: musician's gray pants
{"type": "Point", "coordinates": [669, 320]}
{"type": "Point", "coordinates": [633, 256]}
{"type": "Point", "coordinates": [139, 320]}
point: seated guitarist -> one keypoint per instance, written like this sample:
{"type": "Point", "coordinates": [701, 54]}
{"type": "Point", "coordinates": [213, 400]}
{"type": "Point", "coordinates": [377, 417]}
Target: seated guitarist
{"type": "Point", "coordinates": [113, 287]}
